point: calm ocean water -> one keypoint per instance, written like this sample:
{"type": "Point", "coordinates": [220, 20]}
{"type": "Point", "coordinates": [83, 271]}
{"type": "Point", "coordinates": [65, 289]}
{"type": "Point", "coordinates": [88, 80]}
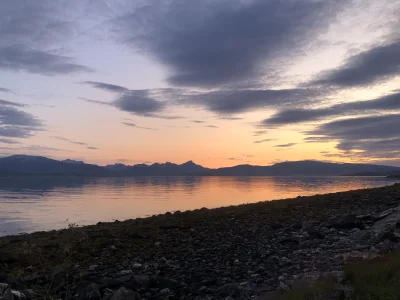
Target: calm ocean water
{"type": "Point", "coordinates": [43, 203]}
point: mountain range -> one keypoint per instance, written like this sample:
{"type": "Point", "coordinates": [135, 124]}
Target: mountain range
{"type": "Point", "coordinates": [20, 165]}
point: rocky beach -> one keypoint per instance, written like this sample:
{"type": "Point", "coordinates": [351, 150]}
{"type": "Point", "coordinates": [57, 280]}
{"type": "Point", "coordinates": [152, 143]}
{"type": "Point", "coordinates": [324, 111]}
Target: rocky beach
{"type": "Point", "coordinates": [251, 251]}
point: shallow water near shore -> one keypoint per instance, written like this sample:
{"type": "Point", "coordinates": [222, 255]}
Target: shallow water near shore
{"type": "Point", "coordinates": [43, 203]}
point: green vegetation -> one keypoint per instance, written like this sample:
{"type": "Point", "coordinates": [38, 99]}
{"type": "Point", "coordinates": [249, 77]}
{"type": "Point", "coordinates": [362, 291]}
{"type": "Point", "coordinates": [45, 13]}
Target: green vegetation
{"type": "Point", "coordinates": [377, 279]}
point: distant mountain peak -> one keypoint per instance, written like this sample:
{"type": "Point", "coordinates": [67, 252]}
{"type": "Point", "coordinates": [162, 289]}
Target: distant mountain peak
{"type": "Point", "coordinates": [189, 163]}
{"type": "Point", "coordinates": [71, 161]}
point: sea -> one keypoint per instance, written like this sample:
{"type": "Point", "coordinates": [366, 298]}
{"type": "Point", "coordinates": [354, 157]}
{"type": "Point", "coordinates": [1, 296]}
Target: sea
{"type": "Point", "coordinates": [29, 204]}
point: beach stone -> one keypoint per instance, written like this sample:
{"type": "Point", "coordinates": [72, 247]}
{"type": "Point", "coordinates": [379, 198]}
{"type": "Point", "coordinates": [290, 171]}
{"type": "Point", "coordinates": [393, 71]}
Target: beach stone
{"type": "Point", "coordinates": [123, 273]}
{"type": "Point", "coordinates": [125, 294]}
{"type": "Point", "coordinates": [309, 225]}
{"type": "Point", "coordinates": [165, 292]}
{"type": "Point", "coordinates": [7, 295]}
{"type": "Point", "coordinates": [345, 221]}
{"type": "Point", "coordinates": [90, 292]}
{"type": "Point", "coordinates": [3, 288]}
{"type": "Point", "coordinates": [230, 289]}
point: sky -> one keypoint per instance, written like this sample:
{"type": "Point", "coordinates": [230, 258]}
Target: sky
{"type": "Point", "coordinates": [219, 82]}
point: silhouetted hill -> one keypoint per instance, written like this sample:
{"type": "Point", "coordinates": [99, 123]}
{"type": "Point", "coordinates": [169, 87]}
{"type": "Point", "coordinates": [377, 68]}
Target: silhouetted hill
{"type": "Point", "coordinates": [27, 164]}
{"type": "Point", "coordinates": [165, 169]}
{"type": "Point", "coordinates": [19, 165]}
{"type": "Point", "coordinates": [303, 168]}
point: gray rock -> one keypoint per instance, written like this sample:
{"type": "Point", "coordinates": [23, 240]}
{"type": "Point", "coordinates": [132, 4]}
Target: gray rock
{"type": "Point", "coordinates": [230, 289]}
{"type": "Point", "coordinates": [7, 295]}
{"type": "Point", "coordinates": [309, 225]}
{"type": "Point", "coordinates": [17, 295]}
{"type": "Point", "coordinates": [3, 288]}
{"type": "Point", "coordinates": [345, 221]}
{"type": "Point", "coordinates": [125, 294]}
{"type": "Point", "coordinates": [165, 292]}
{"type": "Point", "coordinates": [90, 292]}
{"type": "Point", "coordinates": [283, 286]}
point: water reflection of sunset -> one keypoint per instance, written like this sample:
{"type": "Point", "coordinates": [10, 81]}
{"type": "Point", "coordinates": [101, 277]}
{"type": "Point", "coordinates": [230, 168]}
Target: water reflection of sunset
{"type": "Point", "coordinates": [48, 203]}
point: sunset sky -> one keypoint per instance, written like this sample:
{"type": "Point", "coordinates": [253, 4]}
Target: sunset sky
{"type": "Point", "coordinates": [219, 82]}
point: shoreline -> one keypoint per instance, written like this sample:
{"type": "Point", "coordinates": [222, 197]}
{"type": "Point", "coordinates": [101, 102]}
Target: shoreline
{"type": "Point", "coordinates": [246, 250]}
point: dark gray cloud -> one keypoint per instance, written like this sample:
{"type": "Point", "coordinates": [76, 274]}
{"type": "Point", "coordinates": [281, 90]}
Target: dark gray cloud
{"type": "Point", "coordinates": [28, 29]}
{"type": "Point", "coordinates": [5, 102]}
{"type": "Point", "coordinates": [136, 126]}
{"type": "Point", "coordinates": [368, 67]}
{"type": "Point", "coordinates": [151, 102]}
{"type": "Point", "coordinates": [4, 90]}
{"type": "Point", "coordinates": [211, 126]}
{"type": "Point", "coordinates": [16, 131]}
{"type": "Point", "coordinates": [8, 141]}
{"type": "Point", "coordinates": [368, 137]}
{"type": "Point", "coordinates": [16, 117]}
{"type": "Point", "coordinates": [92, 148]}
{"type": "Point", "coordinates": [19, 58]}
{"type": "Point", "coordinates": [15, 123]}
{"type": "Point", "coordinates": [385, 103]}
{"type": "Point", "coordinates": [264, 141]}
{"type": "Point", "coordinates": [197, 121]}
{"type": "Point", "coordinates": [138, 101]}
{"type": "Point", "coordinates": [238, 101]}
{"type": "Point", "coordinates": [209, 43]}
{"type": "Point", "coordinates": [285, 145]}
{"type": "Point", "coordinates": [107, 86]}
{"type": "Point", "coordinates": [371, 127]}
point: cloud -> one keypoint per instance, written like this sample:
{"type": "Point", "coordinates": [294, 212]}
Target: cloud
{"type": "Point", "coordinates": [211, 43]}
{"type": "Point", "coordinates": [235, 158]}
{"type": "Point", "coordinates": [8, 141]}
{"type": "Point", "coordinates": [370, 127]}
{"type": "Point", "coordinates": [17, 123]}
{"type": "Point", "coordinates": [197, 121]}
{"type": "Point", "coordinates": [259, 132]}
{"type": "Point", "coordinates": [285, 145]}
{"type": "Point", "coordinates": [384, 103]}
{"type": "Point", "coordinates": [248, 155]}
{"type": "Point", "coordinates": [106, 86]}
{"type": "Point", "coordinates": [230, 118]}
{"type": "Point", "coordinates": [42, 148]}
{"type": "Point", "coordinates": [239, 101]}
{"type": "Point", "coordinates": [5, 102]}
{"type": "Point", "coordinates": [68, 140]}
{"type": "Point", "coordinates": [368, 137]}
{"type": "Point", "coordinates": [151, 102]}
{"type": "Point", "coordinates": [4, 90]}
{"type": "Point", "coordinates": [30, 28]}
{"type": "Point", "coordinates": [165, 117]}
{"type": "Point", "coordinates": [211, 126]}
{"type": "Point", "coordinates": [19, 58]}
{"type": "Point", "coordinates": [136, 126]}
{"type": "Point", "coordinates": [372, 66]}
{"type": "Point", "coordinates": [263, 141]}
{"type": "Point", "coordinates": [95, 101]}
{"type": "Point", "coordinates": [74, 142]}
